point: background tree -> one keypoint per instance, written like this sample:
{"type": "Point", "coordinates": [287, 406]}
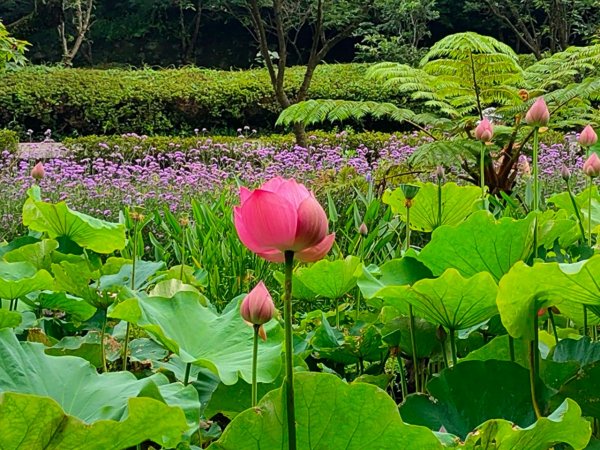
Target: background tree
{"type": "Point", "coordinates": [75, 23]}
{"type": "Point", "coordinates": [12, 50]}
{"type": "Point", "coordinates": [280, 24]}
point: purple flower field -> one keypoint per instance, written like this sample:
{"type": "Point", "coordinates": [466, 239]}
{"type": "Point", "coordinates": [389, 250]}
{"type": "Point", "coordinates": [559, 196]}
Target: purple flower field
{"type": "Point", "coordinates": [101, 186]}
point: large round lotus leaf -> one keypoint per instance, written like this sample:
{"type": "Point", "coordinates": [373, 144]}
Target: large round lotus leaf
{"type": "Point", "coordinates": [330, 279]}
{"type": "Point", "coordinates": [458, 202]}
{"type": "Point", "coordinates": [395, 332]}
{"type": "Point", "coordinates": [59, 221]}
{"type": "Point", "coordinates": [479, 244]}
{"type": "Point", "coordinates": [524, 290]}
{"type": "Point", "coordinates": [583, 350]}
{"type": "Point", "coordinates": [30, 422]}
{"type": "Point", "coordinates": [78, 309]}
{"type": "Point", "coordinates": [330, 414]}
{"type": "Point", "coordinates": [396, 272]}
{"type": "Point", "coordinates": [71, 381]}
{"type": "Point", "coordinates": [9, 319]}
{"type": "Point", "coordinates": [221, 342]}
{"type": "Point", "coordinates": [563, 201]}
{"type": "Point", "coordinates": [564, 425]}
{"type": "Point", "coordinates": [584, 388]}
{"type": "Point", "coordinates": [450, 300]}
{"type": "Point", "coordinates": [39, 254]}
{"type": "Point", "coordinates": [465, 396]}
{"type": "Point", "coordinates": [21, 278]}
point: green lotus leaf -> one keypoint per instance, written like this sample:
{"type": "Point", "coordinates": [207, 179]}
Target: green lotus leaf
{"type": "Point", "coordinates": [466, 395]}
{"type": "Point", "coordinates": [396, 272]}
{"type": "Point", "coordinates": [480, 244]}
{"type": "Point", "coordinates": [330, 279]}
{"type": "Point", "coordinates": [564, 425]}
{"type": "Point", "coordinates": [450, 300]}
{"type": "Point", "coordinates": [9, 319]}
{"type": "Point", "coordinates": [563, 201]}
{"type": "Point", "coordinates": [59, 221]}
{"type": "Point", "coordinates": [37, 422]}
{"type": "Point", "coordinates": [144, 270]}
{"type": "Point", "coordinates": [77, 309]}
{"type": "Point", "coordinates": [555, 226]}
{"type": "Point", "coordinates": [221, 342]}
{"type": "Point", "coordinates": [457, 203]}
{"type": "Point", "coordinates": [21, 278]}
{"type": "Point", "coordinates": [395, 332]}
{"type": "Point", "coordinates": [584, 388]}
{"type": "Point", "coordinates": [583, 350]}
{"type": "Point", "coordinates": [330, 414]}
{"type": "Point", "coordinates": [524, 290]}
{"type": "Point", "coordinates": [73, 382]}
{"type": "Point", "coordinates": [38, 254]}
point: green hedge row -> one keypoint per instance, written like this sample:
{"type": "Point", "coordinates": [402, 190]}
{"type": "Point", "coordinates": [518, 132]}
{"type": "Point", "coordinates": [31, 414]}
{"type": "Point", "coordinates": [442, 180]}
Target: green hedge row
{"type": "Point", "coordinates": [9, 141]}
{"type": "Point", "coordinates": [171, 101]}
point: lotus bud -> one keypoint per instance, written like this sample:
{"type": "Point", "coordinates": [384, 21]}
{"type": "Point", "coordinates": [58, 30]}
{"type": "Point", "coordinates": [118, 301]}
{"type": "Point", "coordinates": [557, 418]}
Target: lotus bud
{"type": "Point", "coordinates": [439, 173]}
{"type": "Point", "coordinates": [484, 131]}
{"type": "Point", "coordinates": [363, 230]}
{"type": "Point", "coordinates": [38, 171]}
{"type": "Point", "coordinates": [565, 173]}
{"type": "Point", "coordinates": [257, 308]}
{"type": "Point", "coordinates": [538, 115]}
{"type": "Point", "coordinates": [588, 137]}
{"type": "Point", "coordinates": [592, 166]}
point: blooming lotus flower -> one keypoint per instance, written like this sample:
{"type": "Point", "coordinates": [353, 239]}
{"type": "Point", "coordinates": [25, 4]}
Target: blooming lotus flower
{"type": "Point", "coordinates": [484, 131]}
{"type": "Point", "coordinates": [538, 115]}
{"type": "Point", "coordinates": [282, 215]}
{"type": "Point", "coordinates": [257, 308]}
{"type": "Point", "coordinates": [592, 166]}
{"type": "Point", "coordinates": [588, 137]}
{"type": "Point", "coordinates": [38, 171]}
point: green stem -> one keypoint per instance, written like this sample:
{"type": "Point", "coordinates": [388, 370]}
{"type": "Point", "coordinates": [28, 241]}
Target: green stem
{"type": "Point", "coordinates": [413, 345]}
{"type": "Point", "coordinates": [439, 199]}
{"type": "Point", "coordinates": [337, 313]}
{"type": "Point", "coordinates": [132, 286]}
{"type": "Point", "coordinates": [186, 376]}
{"type": "Point", "coordinates": [536, 189]}
{"type": "Point", "coordinates": [182, 252]}
{"type": "Point", "coordinates": [357, 303]}
{"type": "Point", "coordinates": [289, 352]}
{"type": "Point", "coordinates": [482, 170]}
{"type": "Point", "coordinates": [403, 382]}
{"type": "Point", "coordinates": [407, 227]}
{"type": "Point", "coordinates": [444, 355]}
{"type": "Point", "coordinates": [576, 208]}
{"type": "Point", "coordinates": [590, 214]}
{"type": "Point", "coordinates": [453, 347]}
{"type": "Point", "coordinates": [551, 317]}
{"type": "Point", "coordinates": [585, 320]}
{"type": "Point", "coordinates": [511, 347]}
{"type": "Point", "coordinates": [102, 349]}
{"type": "Point", "coordinates": [254, 366]}
{"type": "Point", "coordinates": [534, 366]}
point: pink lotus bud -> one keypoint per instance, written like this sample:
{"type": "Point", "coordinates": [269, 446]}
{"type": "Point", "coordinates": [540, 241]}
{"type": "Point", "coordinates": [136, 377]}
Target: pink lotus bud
{"type": "Point", "coordinates": [257, 307]}
{"type": "Point", "coordinates": [592, 166]}
{"type": "Point", "coordinates": [282, 215]}
{"type": "Point", "coordinates": [363, 229]}
{"type": "Point", "coordinates": [565, 173]}
{"type": "Point", "coordinates": [538, 115]}
{"type": "Point", "coordinates": [588, 137]}
{"type": "Point", "coordinates": [38, 171]}
{"type": "Point", "coordinates": [484, 131]}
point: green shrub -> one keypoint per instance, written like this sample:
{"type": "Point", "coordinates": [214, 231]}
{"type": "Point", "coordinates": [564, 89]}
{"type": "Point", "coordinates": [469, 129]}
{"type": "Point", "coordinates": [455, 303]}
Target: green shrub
{"type": "Point", "coordinates": [9, 140]}
{"type": "Point", "coordinates": [173, 101]}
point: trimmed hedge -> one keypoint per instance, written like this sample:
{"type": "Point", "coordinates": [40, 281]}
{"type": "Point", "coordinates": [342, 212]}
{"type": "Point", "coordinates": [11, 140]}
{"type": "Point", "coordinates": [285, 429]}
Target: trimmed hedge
{"type": "Point", "coordinates": [9, 141]}
{"type": "Point", "coordinates": [172, 101]}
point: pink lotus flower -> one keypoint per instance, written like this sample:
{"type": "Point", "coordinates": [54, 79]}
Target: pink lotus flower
{"type": "Point", "coordinates": [484, 131]}
{"type": "Point", "coordinates": [592, 166]}
{"type": "Point", "coordinates": [588, 137]}
{"type": "Point", "coordinates": [38, 171]}
{"type": "Point", "coordinates": [282, 215]}
{"type": "Point", "coordinates": [538, 115]}
{"type": "Point", "coordinates": [257, 308]}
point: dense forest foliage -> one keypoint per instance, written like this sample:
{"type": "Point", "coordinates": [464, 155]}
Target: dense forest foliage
{"type": "Point", "coordinates": [218, 33]}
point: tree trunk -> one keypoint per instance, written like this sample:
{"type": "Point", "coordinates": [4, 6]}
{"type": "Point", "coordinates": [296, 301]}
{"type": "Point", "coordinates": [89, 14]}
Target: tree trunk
{"type": "Point", "coordinates": [300, 133]}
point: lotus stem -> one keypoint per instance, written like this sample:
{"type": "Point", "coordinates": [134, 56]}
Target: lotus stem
{"type": "Point", "coordinates": [590, 214]}
{"type": "Point", "coordinates": [511, 347]}
{"type": "Point", "coordinates": [482, 170]}
{"type": "Point", "coordinates": [182, 252]}
{"type": "Point", "coordinates": [534, 365]}
{"type": "Point", "coordinates": [289, 351]}
{"type": "Point", "coordinates": [552, 321]}
{"type": "Point", "coordinates": [254, 366]}
{"type": "Point", "coordinates": [403, 383]}
{"type": "Point", "coordinates": [536, 189]}
{"type": "Point", "coordinates": [576, 208]}
{"type": "Point", "coordinates": [102, 349]}
{"type": "Point", "coordinates": [407, 226]}
{"type": "Point", "coordinates": [439, 202]}
{"type": "Point", "coordinates": [413, 345]}
{"type": "Point", "coordinates": [186, 376]}
{"type": "Point", "coordinates": [337, 313]}
{"type": "Point", "coordinates": [132, 286]}
{"type": "Point", "coordinates": [453, 347]}
{"type": "Point", "coordinates": [585, 320]}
